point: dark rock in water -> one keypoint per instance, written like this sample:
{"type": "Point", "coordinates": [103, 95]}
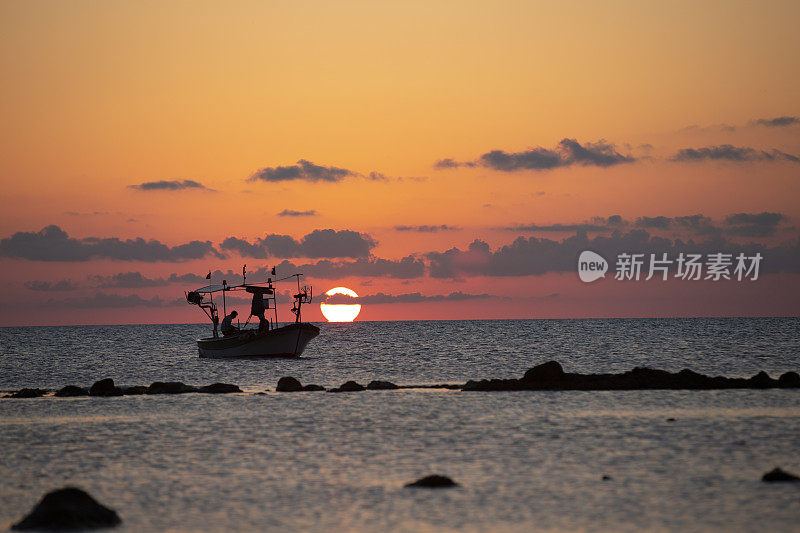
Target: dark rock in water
{"type": "Point", "coordinates": [761, 381]}
{"type": "Point", "coordinates": [433, 482]}
{"type": "Point", "coordinates": [68, 508]}
{"type": "Point", "coordinates": [349, 386]}
{"type": "Point", "coordinates": [220, 388]}
{"type": "Point", "coordinates": [289, 384]}
{"type": "Point", "coordinates": [313, 388]}
{"type": "Point", "coordinates": [381, 385]}
{"type": "Point", "coordinates": [550, 376]}
{"type": "Point", "coordinates": [789, 380]}
{"type": "Point", "coordinates": [670, 419]}
{"type": "Point", "coordinates": [606, 477]}
{"type": "Point", "coordinates": [549, 371]}
{"type": "Point", "coordinates": [776, 474]}
{"type": "Point", "coordinates": [27, 393]}
{"type": "Point", "coordinates": [105, 387]}
{"type": "Point", "coordinates": [170, 387]}
{"type": "Point", "coordinates": [134, 390]}
{"type": "Point", "coordinates": [72, 390]}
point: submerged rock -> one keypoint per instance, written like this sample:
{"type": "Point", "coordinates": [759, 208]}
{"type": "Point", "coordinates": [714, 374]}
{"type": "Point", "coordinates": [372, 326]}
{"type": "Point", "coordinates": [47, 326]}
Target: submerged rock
{"type": "Point", "coordinates": [434, 481]}
{"type": "Point", "coordinates": [349, 386]}
{"type": "Point", "coordinates": [72, 390]}
{"type": "Point", "coordinates": [789, 380]}
{"type": "Point", "coordinates": [289, 384]}
{"type": "Point", "coordinates": [381, 385]}
{"type": "Point", "coordinates": [550, 376]}
{"type": "Point", "coordinates": [105, 387]}
{"type": "Point", "coordinates": [68, 508]}
{"type": "Point", "coordinates": [776, 474]}
{"type": "Point", "coordinates": [134, 390]}
{"type": "Point", "coordinates": [170, 387]}
{"type": "Point", "coordinates": [27, 393]}
{"type": "Point", "coordinates": [549, 371]}
{"type": "Point", "coordinates": [220, 388]}
{"type": "Point", "coordinates": [313, 388]}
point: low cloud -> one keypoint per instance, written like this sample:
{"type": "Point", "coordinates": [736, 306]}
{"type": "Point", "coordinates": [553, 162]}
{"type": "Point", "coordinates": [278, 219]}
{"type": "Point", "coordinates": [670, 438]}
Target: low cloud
{"type": "Point", "coordinates": [777, 122]}
{"type": "Point", "coordinates": [293, 213]}
{"type": "Point", "coordinates": [754, 225]}
{"type": "Point", "coordinates": [326, 243]}
{"type": "Point", "coordinates": [48, 286]}
{"type": "Point", "coordinates": [728, 152]}
{"type": "Point", "coordinates": [128, 280]}
{"type": "Point", "coordinates": [115, 301]}
{"type": "Point", "coordinates": [54, 244]}
{"type": "Point", "coordinates": [534, 256]}
{"type": "Point", "coordinates": [304, 170]}
{"type": "Point", "coordinates": [416, 297]}
{"type": "Point", "coordinates": [170, 185]}
{"type": "Point", "coordinates": [568, 152]}
{"type": "Point", "coordinates": [427, 228]}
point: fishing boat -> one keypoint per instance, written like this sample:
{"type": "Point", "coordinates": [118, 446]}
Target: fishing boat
{"type": "Point", "coordinates": [268, 339]}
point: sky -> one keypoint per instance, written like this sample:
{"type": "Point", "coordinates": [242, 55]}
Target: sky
{"type": "Point", "coordinates": [446, 160]}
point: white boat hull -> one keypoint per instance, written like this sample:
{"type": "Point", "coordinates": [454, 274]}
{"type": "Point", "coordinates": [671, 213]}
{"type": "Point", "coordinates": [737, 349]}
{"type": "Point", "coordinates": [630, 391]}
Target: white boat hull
{"type": "Point", "coordinates": [286, 341]}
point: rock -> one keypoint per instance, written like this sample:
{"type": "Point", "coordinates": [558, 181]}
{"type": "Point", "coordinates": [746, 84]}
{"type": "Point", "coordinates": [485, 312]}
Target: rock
{"type": "Point", "coordinates": [381, 385]}
{"type": "Point", "coordinates": [606, 477]}
{"type": "Point", "coordinates": [72, 390]}
{"type": "Point", "coordinates": [351, 386]}
{"type": "Point", "coordinates": [105, 387]}
{"type": "Point", "coordinates": [761, 381]}
{"type": "Point", "coordinates": [312, 388]}
{"type": "Point", "coordinates": [27, 393]}
{"type": "Point", "coordinates": [170, 387]}
{"type": "Point", "coordinates": [134, 390]}
{"type": "Point", "coordinates": [220, 388]}
{"type": "Point", "coordinates": [433, 482]}
{"type": "Point", "coordinates": [670, 419]}
{"type": "Point", "coordinates": [789, 380]}
{"type": "Point", "coordinates": [289, 384]}
{"type": "Point", "coordinates": [549, 371]}
{"type": "Point", "coordinates": [68, 508]}
{"type": "Point", "coordinates": [776, 474]}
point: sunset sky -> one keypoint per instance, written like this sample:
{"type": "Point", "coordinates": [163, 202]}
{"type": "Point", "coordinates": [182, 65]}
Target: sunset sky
{"type": "Point", "coordinates": [443, 159]}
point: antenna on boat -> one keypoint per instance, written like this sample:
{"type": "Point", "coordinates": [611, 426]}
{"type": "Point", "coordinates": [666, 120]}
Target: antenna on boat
{"type": "Point", "coordinates": [244, 274]}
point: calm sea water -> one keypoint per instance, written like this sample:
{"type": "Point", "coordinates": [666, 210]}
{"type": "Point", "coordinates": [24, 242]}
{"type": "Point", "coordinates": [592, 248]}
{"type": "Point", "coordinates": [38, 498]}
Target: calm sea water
{"type": "Point", "coordinates": [318, 461]}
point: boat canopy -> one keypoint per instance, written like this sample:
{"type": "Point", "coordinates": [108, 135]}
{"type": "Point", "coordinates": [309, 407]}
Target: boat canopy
{"type": "Point", "coordinates": [210, 288]}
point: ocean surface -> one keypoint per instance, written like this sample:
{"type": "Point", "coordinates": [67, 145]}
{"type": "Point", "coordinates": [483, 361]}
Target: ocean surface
{"type": "Point", "coordinates": [525, 461]}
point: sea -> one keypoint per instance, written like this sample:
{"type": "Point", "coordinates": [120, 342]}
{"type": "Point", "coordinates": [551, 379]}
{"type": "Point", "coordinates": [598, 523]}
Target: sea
{"type": "Point", "coordinates": [315, 461]}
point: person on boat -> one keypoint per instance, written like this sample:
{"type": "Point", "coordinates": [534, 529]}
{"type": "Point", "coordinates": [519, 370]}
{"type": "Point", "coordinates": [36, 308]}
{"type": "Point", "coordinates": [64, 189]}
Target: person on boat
{"type": "Point", "coordinates": [227, 326]}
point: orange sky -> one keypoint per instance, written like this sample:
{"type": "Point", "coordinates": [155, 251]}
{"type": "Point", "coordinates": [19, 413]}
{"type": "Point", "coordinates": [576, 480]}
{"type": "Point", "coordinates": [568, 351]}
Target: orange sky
{"type": "Point", "coordinates": [96, 97]}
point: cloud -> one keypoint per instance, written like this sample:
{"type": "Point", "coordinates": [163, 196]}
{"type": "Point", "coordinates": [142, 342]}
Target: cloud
{"type": "Point", "coordinates": [427, 228]}
{"type": "Point", "coordinates": [533, 256]}
{"type": "Point", "coordinates": [303, 170]}
{"type": "Point", "coordinates": [778, 122]}
{"type": "Point", "coordinates": [727, 152]}
{"type": "Point", "coordinates": [596, 224]}
{"type": "Point", "coordinates": [170, 185]}
{"type": "Point", "coordinates": [568, 152]}
{"type": "Point", "coordinates": [452, 163]}
{"type": "Point", "coordinates": [754, 225]}
{"type": "Point", "coordinates": [47, 286]}
{"type": "Point", "coordinates": [128, 280]}
{"type": "Point", "coordinates": [416, 297]}
{"type": "Point", "coordinates": [116, 301]}
{"type": "Point", "coordinates": [53, 244]}
{"type": "Point", "coordinates": [317, 244]}
{"type": "Point", "coordinates": [293, 213]}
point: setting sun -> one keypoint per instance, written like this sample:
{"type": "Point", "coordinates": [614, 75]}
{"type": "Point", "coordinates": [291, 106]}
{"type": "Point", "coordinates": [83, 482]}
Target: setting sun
{"type": "Point", "coordinates": [337, 312]}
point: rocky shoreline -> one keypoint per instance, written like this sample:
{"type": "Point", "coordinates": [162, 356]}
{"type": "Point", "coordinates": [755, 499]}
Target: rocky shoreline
{"type": "Point", "coordinates": [549, 376]}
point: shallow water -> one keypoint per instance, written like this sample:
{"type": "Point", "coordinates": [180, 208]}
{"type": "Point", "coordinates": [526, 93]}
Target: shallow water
{"type": "Point", "coordinates": [314, 461]}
